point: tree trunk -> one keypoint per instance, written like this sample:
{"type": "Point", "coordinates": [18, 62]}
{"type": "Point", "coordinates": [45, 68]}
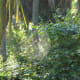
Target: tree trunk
{"type": "Point", "coordinates": [78, 6]}
{"type": "Point", "coordinates": [35, 19]}
{"type": "Point", "coordinates": [0, 23]}
{"type": "Point", "coordinates": [35, 12]}
{"type": "Point", "coordinates": [4, 48]}
{"type": "Point", "coordinates": [3, 24]}
{"type": "Point", "coordinates": [52, 4]}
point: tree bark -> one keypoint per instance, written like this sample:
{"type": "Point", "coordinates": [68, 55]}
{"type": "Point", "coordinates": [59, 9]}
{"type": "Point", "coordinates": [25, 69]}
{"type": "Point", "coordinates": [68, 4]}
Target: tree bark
{"type": "Point", "coordinates": [3, 22]}
{"type": "Point", "coordinates": [1, 10]}
{"type": "Point", "coordinates": [35, 19]}
{"type": "Point", "coordinates": [78, 6]}
{"type": "Point", "coordinates": [4, 48]}
{"type": "Point", "coordinates": [35, 12]}
{"type": "Point", "coordinates": [52, 4]}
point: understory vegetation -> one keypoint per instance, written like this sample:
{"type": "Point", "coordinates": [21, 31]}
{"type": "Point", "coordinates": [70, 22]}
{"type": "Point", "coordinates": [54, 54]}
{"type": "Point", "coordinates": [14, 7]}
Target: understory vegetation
{"type": "Point", "coordinates": [58, 55]}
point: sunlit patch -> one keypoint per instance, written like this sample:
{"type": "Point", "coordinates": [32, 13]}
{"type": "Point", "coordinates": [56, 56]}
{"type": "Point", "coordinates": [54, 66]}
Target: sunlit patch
{"type": "Point", "coordinates": [74, 8]}
{"type": "Point", "coordinates": [1, 63]}
{"type": "Point", "coordinates": [28, 44]}
{"type": "Point", "coordinates": [22, 47]}
{"type": "Point", "coordinates": [1, 58]}
{"type": "Point", "coordinates": [11, 65]}
{"type": "Point", "coordinates": [43, 44]}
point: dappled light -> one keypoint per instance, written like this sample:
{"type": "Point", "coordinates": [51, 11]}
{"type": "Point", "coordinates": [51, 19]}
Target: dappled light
{"type": "Point", "coordinates": [39, 39]}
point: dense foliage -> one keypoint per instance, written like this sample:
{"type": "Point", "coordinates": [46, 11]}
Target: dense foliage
{"type": "Point", "coordinates": [60, 61]}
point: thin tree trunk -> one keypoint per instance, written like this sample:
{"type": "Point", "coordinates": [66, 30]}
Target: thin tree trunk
{"type": "Point", "coordinates": [35, 19]}
{"type": "Point", "coordinates": [3, 24]}
{"type": "Point", "coordinates": [0, 23]}
{"type": "Point", "coordinates": [4, 47]}
{"type": "Point", "coordinates": [78, 6]}
{"type": "Point", "coordinates": [35, 12]}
